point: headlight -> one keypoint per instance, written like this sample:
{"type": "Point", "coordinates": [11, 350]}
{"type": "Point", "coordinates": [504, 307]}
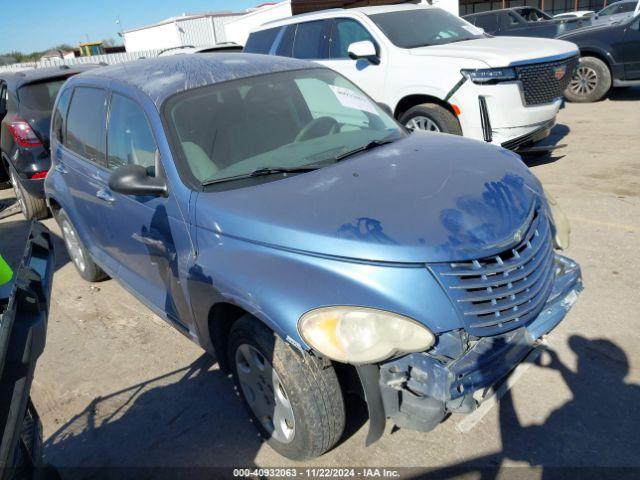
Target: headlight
{"type": "Point", "coordinates": [362, 335]}
{"type": "Point", "coordinates": [560, 223]}
{"type": "Point", "coordinates": [489, 75]}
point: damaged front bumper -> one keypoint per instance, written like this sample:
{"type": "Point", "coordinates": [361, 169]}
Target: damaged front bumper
{"type": "Point", "coordinates": [418, 390]}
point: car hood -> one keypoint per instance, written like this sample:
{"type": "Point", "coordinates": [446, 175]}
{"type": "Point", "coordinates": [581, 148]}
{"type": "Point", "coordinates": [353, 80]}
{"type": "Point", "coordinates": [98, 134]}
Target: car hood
{"type": "Point", "coordinates": [424, 198]}
{"type": "Point", "coordinates": [500, 51]}
{"type": "Point", "coordinates": [587, 31]}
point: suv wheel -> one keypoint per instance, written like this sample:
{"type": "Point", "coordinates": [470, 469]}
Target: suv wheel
{"type": "Point", "coordinates": [591, 81]}
{"type": "Point", "coordinates": [78, 254]}
{"type": "Point", "coordinates": [32, 207]}
{"type": "Point", "coordinates": [431, 118]}
{"type": "Point", "coordinates": [295, 401]}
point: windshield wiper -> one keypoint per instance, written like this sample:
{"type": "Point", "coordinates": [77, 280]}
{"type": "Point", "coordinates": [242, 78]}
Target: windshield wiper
{"type": "Point", "coordinates": [364, 148]}
{"type": "Point", "coordinates": [261, 172]}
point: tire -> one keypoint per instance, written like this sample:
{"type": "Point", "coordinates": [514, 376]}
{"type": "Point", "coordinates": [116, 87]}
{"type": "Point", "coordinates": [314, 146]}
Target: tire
{"type": "Point", "coordinates": [79, 255]}
{"type": "Point", "coordinates": [431, 117]}
{"type": "Point", "coordinates": [33, 208]}
{"type": "Point", "coordinates": [590, 83]}
{"type": "Point", "coordinates": [316, 417]}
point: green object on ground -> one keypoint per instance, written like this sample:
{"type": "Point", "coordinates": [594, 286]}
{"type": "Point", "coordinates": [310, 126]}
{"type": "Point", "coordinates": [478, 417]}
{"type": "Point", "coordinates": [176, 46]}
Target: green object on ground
{"type": "Point", "coordinates": [6, 274]}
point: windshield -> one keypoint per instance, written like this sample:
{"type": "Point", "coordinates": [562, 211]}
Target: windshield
{"type": "Point", "coordinates": [618, 7]}
{"type": "Point", "coordinates": [422, 27]}
{"type": "Point", "coordinates": [285, 120]}
{"type": "Point", "coordinates": [40, 96]}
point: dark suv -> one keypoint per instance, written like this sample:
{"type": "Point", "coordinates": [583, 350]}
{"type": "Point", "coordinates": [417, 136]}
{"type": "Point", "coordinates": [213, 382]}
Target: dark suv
{"type": "Point", "coordinates": [26, 101]}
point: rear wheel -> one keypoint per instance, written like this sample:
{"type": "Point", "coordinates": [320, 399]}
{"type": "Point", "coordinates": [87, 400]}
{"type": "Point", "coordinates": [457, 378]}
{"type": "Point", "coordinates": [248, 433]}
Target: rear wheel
{"type": "Point", "coordinates": [590, 82]}
{"type": "Point", "coordinates": [295, 401]}
{"type": "Point", "coordinates": [431, 118]}
{"type": "Point", "coordinates": [33, 208]}
{"type": "Point", "coordinates": [78, 254]}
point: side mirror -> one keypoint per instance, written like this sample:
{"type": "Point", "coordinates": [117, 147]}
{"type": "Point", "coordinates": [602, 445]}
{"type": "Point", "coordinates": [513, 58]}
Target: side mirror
{"type": "Point", "coordinates": [134, 180]}
{"type": "Point", "coordinates": [365, 49]}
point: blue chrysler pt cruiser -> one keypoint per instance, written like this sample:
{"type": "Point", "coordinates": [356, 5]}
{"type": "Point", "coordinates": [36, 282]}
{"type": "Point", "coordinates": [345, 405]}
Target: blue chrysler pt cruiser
{"type": "Point", "coordinates": [278, 217]}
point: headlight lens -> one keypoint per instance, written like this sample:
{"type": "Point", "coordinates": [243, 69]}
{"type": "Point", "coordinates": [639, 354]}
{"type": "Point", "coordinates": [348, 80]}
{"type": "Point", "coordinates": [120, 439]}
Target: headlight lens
{"type": "Point", "coordinates": [489, 75]}
{"type": "Point", "coordinates": [362, 335]}
{"type": "Point", "coordinates": [560, 222]}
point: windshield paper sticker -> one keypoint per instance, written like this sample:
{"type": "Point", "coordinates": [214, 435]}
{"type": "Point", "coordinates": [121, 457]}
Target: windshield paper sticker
{"type": "Point", "coordinates": [350, 99]}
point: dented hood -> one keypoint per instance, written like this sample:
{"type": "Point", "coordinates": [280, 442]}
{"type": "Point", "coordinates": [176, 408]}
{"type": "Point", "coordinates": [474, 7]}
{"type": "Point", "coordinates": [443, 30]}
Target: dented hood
{"type": "Point", "coordinates": [501, 51]}
{"type": "Point", "coordinates": [424, 198]}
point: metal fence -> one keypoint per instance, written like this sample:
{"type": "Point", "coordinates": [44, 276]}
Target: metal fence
{"type": "Point", "coordinates": [110, 59]}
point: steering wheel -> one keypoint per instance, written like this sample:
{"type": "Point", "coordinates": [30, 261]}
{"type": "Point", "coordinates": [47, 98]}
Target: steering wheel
{"type": "Point", "coordinates": [318, 127]}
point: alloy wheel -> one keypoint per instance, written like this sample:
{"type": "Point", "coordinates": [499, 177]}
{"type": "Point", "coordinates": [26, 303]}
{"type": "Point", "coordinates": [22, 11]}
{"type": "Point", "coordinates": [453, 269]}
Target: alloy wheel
{"type": "Point", "coordinates": [72, 242]}
{"type": "Point", "coordinates": [265, 393]}
{"type": "Point", "coordinates": [584, 81]}
{"type": "Point", "coordinates": [421, 122]}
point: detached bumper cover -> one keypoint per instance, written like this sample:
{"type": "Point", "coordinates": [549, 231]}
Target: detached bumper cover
{"type": "Point", "coordinates": [530, 138]}
{"type": "Point", "coordinates": [419, 389]}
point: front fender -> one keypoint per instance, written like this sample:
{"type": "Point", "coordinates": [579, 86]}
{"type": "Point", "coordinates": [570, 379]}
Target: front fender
{"type": "Point", "coordinates": [278, 286]}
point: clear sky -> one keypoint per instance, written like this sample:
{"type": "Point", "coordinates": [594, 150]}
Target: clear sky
{"type": "Point", "coordinates": [34, 25]}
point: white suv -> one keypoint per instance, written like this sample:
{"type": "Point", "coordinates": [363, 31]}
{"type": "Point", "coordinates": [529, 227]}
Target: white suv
{"type": "Point", "coordinates": [434, 70]}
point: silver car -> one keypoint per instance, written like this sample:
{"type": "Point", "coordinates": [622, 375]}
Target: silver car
{"type": "Point", "coordinates": [615, 12]}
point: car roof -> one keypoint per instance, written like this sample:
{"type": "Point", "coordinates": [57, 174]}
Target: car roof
{"type": "Point", "coordinates": [335, 12]}
{"type": "Point", "coordinates": [159, 78]}
{"type": "Point", "coordinates": [16, 80]}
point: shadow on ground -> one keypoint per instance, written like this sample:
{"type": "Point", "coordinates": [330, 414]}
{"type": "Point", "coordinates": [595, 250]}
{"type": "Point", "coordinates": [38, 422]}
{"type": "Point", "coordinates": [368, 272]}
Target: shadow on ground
{"type": "Point", "coordinates": [624, 94]}
{"type": "Point", "coordinates": [558, 133]}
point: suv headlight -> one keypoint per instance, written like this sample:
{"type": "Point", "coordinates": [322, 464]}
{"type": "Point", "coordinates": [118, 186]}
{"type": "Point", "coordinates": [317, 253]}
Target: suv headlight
{"type": "Point", "coordinates": [560, 222]}
{"type": "Point", "coordinates": [489, 75]}
{"type": "Point", "coordinates": [362, 335]}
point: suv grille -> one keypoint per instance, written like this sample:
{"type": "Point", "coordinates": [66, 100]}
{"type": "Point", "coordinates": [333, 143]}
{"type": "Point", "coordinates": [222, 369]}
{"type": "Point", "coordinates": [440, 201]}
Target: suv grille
{"type": "Point", "coordinates": [540, 83]}
{"type": "Point", "coordinates": [505, 291]}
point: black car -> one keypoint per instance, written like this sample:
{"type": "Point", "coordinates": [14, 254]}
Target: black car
{"type": "Point", "coordinates": [26, 101]}
{"type": "Point", "coordinates": [523, 22]}
{"type": "Point", "coordinates": [609, 56]}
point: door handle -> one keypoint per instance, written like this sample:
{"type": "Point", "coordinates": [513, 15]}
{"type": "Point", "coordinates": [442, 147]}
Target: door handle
{"type": "Point", "coordinates": [60, 169]}
{"type": "Point", "coordinates": [105, 195]}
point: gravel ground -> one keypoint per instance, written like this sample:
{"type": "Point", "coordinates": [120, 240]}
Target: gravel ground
{"type": "Point", "coordinates": [118, 387]}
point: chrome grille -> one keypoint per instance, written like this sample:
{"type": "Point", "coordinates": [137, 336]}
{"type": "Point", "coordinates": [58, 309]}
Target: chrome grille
{"type": "Point", "coordinates": [539, 82]}
{"type": "Point", "coordinates": [504, 291]}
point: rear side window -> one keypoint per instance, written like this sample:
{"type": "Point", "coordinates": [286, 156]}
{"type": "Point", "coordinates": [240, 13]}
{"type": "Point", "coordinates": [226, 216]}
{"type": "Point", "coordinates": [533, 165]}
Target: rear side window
{"type": "Point", "coordinates": [40, 96]}
{"type": "Point", "coordinates": [488, 22]}
{"type": "Point", "coordinates": [86, 122]}
{"type": "Point", "coordinates": [58, 123]}
{"type": "Point", "coordinates": [129, 137]}
{"type": "Point", "coordinates": [260, 42]}
{"type": "Point", "coordinates": [310, 40]}
{"type": "Point", "coordinates": [346, 32]}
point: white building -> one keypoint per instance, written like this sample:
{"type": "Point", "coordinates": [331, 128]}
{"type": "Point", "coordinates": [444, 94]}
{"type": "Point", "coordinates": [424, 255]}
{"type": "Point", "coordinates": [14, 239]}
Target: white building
{"type": "Point", "coordinates": [197, 30]}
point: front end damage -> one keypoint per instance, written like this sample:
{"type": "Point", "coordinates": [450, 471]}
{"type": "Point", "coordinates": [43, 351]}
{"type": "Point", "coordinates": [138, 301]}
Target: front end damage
{"type": "Point", "coordinates": [419, 390]}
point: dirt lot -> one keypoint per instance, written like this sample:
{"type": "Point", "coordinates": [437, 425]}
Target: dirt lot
{"type": "Point", "coordinates": [118, 387]}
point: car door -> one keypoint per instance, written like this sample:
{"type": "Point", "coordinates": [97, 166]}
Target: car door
{"type": "Point", "coordinates": [367, 75]}
{"type": "Point", "coordinates": [80, 159]}
{"type": "Point", "coordinates": [631, 50]}
{"type": "Point", "coordinates": [148, 237]}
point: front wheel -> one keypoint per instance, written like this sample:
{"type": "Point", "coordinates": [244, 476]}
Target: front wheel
{"type": "Point", "coordinates": [294, 400]}
{"type": "Point", "coordinates": [431, 118]}
{"type": "Point", "coordinates": [590, 82]}
{"type": "Point", "coordinates": [79, 255]}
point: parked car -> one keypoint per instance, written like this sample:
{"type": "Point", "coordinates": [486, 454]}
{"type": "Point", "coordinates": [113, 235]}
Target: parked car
{"type": "Point", "coordinates": [609, 57]}
{"type": "Point", "coordinates": [435, 71]}
{"type": "Point", "coordinates": [278, 217]}
{"type": "Point", "coordinates": [26, 101]}
{"type": "Point", "coordinates": [224, 47]}
{"type": "Point", "coordinates": [575, 14]}
{"type": "Point", "coordinates": [523, 22]}
{"type": "Point", "coordinates": [615, 12]}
